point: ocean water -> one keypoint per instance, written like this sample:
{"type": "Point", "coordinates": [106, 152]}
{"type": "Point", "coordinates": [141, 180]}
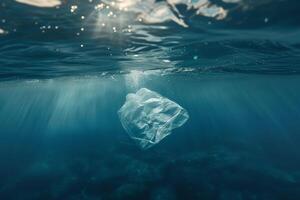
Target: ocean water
{"type": "Point", "coordinates": [67, 66]}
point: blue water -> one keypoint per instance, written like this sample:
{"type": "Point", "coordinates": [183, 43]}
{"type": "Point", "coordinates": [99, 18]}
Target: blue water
{"type": "Point", "coordinates": [66, 70]}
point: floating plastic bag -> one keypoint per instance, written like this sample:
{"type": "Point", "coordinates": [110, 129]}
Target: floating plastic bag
{"type": "Point", "coordinates": [149, 117]}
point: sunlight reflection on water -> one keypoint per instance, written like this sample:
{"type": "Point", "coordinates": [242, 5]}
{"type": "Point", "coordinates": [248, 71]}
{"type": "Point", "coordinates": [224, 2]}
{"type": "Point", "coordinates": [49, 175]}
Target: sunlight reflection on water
{"type": "Point", "coordinates": [41, 3]}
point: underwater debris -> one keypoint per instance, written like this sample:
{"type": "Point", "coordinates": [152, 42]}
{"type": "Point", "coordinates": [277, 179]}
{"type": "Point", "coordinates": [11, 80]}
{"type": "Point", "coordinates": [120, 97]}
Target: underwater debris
{"type": "Point", "coordinates": [149, 117]}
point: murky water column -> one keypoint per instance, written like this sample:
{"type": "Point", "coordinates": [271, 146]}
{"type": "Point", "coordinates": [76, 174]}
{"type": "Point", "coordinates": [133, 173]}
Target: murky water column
{"type": "Point", "coordinates": [63, 136]}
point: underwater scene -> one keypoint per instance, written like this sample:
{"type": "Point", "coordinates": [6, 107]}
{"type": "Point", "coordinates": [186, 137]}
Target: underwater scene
{"type": "Point", "coordinates": [149, 100]}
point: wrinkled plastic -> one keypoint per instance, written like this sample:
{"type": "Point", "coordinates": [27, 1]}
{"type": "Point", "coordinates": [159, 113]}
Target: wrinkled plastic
{"type": "Point", "coordinates": [149, 117]}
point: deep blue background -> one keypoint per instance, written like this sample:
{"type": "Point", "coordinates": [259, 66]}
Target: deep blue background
{"type": "Point", "coordinates": [60, 136]}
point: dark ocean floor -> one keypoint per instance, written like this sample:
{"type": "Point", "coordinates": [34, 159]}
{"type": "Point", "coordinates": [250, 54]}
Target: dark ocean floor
{"type": "Point", "coordinates": [62, 139]}
{"type": "Point", "coordinates": [219, 173]}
